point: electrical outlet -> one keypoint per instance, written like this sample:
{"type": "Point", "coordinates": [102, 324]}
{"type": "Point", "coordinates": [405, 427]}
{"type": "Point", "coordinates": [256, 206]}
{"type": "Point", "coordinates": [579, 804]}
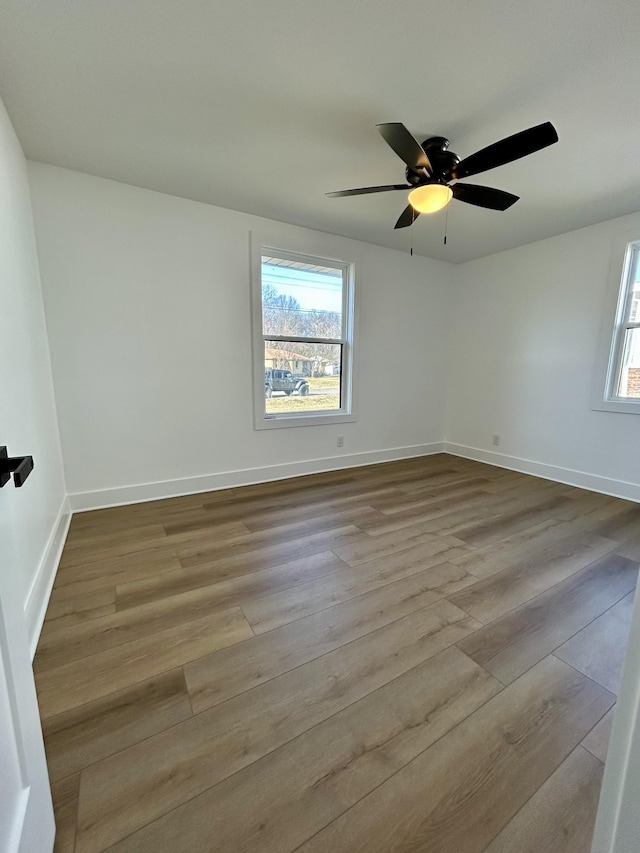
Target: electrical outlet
{"type": "Point", "coordinates": [340, 441]}
{"type": "Point", "coordinates": [495, 440]}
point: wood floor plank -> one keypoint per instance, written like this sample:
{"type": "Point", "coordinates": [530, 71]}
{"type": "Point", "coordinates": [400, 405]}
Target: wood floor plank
{"type": "Point", "coordinates": [499, 593]}
{"type": "Point", "coordinates": [252, 552]}
{"type": "Point", "coordinates": [203, 550]}
{"type": "Point", "coordinates": [328, 485]}
{"type": "Point", "coordinates": [148, 512]}
{"type": "Point", "coordinates": [560, 816]}
{"type": "Point", "coordinates": [219, 676]}
{"type": "Point", "coordinates": [272, 510]}
{"type": "Point", "coordinates": [623, 526]}
{"type": "Point", "coordinates": [65, 807]}
{"type": "Point", "coordinates": [205, 524]}
{"type": "Point", "coordinates": [598, 650]}
{"type": "Point", "coordinates": [597, 741]}
{"type": "Point", "coordinates": [75, 619]}
{"type": "Point", "coordinates": [448, 519]}
{"type": "Point", "coordinates": [437, 472]}
{"type": "Point", "coordinates": [125, 792]}
{"type": "Point", "coordinates": [513, 643]}
{"type": "Point", "coordinates": [104, 546]}
{"type": "Point", "coordinates": [205, 545]}
{"type": "Point", "coordinates": [115, 669]}
{"type": "Point", "coordinates": [76, 604]}
{"type": "Point", "coordinates": [91, 732]}
{"type": "Point", "coordinates": [81, 539]}
{"type": "Point", "coordinates": [422, 482]}
{"type": "Point", "coordinates": [590, 500]}
{"type": "Point", "coordinates": [66, 612]}
{"type": "Point", "coordinates": [512, 481]}
{"type": "Point", "coordinates": [132, 624]}
{"type": "Point", "coordinates": [270, 498]}
{"type": "Point", "coordinates": [305, 784]}
{"type": "Point", "coordinates": [359, 514]}
{"type": "Point", "coordinates": [462, 791]}
{"type": "Point", "coordinates": [153, 537]}
{"type": "Point", "coordinates": [630, 548]}
{"type": "Point", "coordinates": [106, 574]}
{"type": "Point", "coordinates": [280, 505]}
{"type": "Point", "coordinates": [522, 516]}
{"type": "Point", "coordinates": [487, 510]}
{"type": "Point", "coordinates": [374, 547]}
{"type": "Point", "coordinates": [85, 525]}
{"type": "Point", "coordinates": [271, 612]}
{"type": "Point", "coordinates": [399, 501]}
{"type": "Point", "coordinates": [234, 590]}
{"type": "Point", "coordinates": [523, 547]}
{"type": "Point", "coordinates": [214, 534]}
{"type": "Point", "coordinates": [416, 515]}
{"type": "Point", "coordinates": [264, 518]}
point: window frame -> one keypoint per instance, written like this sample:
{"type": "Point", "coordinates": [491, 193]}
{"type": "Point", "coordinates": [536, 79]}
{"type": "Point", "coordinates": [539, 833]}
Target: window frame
{"type": "Point", "coordinates": [318, 255]}
{"type": "Point", "coordinates": [626, 251]}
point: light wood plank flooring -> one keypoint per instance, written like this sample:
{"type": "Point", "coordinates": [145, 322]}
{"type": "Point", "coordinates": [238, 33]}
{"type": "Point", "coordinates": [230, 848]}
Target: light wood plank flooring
{"type": "Point", "coordinates": [420, 655]}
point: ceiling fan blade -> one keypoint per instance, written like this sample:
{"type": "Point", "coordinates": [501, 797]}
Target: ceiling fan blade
{"type": "Point", "coordinates": [396, 135]}
{"type": "Point", "coordinates": [363, 190]}
{"type": "Point", "coordinates": [507, 150]}
{"type": "Point", "coordinates": [484, 196]}
{"type": "Point", "coordinates": [407, 217]}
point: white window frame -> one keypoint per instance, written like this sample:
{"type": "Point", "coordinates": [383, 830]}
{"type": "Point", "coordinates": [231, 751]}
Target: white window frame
{"type": "Point", "coordinates": [317, 254]}
{"type": "Point", "coordinates": [626, 249]}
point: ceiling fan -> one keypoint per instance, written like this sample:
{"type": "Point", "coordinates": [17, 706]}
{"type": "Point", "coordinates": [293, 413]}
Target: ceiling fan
{"type": "Point", "coordinates": [431, 168]}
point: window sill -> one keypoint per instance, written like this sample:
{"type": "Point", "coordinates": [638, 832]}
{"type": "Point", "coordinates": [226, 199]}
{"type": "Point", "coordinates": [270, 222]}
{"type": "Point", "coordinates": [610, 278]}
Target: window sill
{"type": "Point", "coordinates": [621, 406]}
{"type": "Point", "coordinates": [284, 422]}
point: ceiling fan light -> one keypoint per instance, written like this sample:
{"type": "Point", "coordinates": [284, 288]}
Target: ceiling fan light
{"type": "Point", "coordinates": [430, 197]}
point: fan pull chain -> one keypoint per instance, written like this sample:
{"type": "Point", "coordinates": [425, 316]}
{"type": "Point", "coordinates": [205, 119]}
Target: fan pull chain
{"type": "Point", "coordinates": [446, 222]}
{"type": "Point", "coordinates": [413, 219]}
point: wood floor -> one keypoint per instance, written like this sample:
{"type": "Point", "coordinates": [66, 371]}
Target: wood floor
{"type": "Point", "coordinates": [416, 656]}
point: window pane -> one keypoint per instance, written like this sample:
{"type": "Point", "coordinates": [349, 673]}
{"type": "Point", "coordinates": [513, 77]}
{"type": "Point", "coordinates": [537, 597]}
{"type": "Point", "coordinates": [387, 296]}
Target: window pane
{"type": "Point", "coordinates": [629, 384]}
{"type": "Point", "coordinates": [301, 300]}
{"type": "Point", "coordinates": [301, 378]}
{"type": "Point", "coordinates": [634, 316]}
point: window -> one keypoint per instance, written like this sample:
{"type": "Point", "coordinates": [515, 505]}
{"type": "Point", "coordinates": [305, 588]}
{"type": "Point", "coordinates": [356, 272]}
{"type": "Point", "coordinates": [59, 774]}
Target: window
{"type": "Point", "coordinates": [624, 371]}
{"type": "Point", "coordinates": [303, 338]}
{"type": "Point", "coordinates": [622, 382]}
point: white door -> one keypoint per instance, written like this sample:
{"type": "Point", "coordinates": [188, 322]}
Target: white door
{"type": "Point", "coordinates": [26, 813]}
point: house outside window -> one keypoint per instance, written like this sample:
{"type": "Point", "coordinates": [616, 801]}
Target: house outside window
{"type": "Point", "coordinates": [302, 338]}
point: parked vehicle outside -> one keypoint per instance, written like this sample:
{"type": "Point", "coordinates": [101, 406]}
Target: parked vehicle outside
{"type": "Point", "coordinates": [284, 381]}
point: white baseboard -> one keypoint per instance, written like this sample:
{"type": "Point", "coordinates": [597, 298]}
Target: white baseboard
{"type": "Point", "coordinates": [40, 591]}
{"type": "Point", "coordinates": [591, 482]}
{"type": "Point", "coordinates": [100, 499]}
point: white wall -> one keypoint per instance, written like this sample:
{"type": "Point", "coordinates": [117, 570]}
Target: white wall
{"type": "Point", "coordinates": [148, 307]}
{"type": "Point", "coordinates": [524, 334]}
{"type": "Point", "coordinates": [147, 300]}
{"type": "Point", "coordinates": [28, 423]}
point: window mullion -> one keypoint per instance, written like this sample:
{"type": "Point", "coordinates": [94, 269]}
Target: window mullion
{"type": "Point", "coordinates": [292, 340]}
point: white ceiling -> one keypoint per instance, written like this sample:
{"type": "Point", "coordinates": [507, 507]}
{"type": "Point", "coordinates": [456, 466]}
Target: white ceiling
{"type": "Point", "coordinates": [264, 105]}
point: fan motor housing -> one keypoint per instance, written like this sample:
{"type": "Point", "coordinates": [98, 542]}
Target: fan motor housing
{"type": "Point", "coordinates": [442, 161]}
{"type": "Point", "coordinates": [440, 157]}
